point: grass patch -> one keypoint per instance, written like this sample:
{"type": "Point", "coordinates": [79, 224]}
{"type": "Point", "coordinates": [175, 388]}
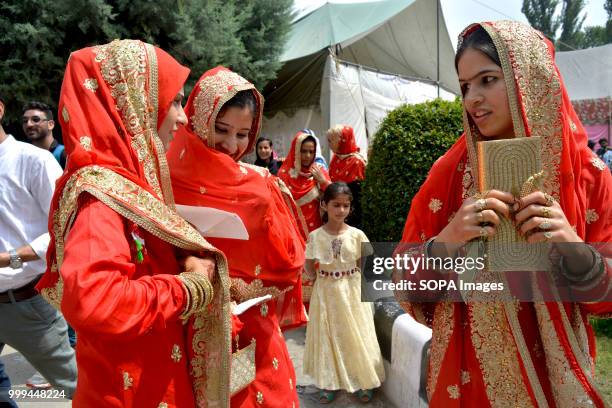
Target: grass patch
{"type": "Point", "coordinates": [603, 366]}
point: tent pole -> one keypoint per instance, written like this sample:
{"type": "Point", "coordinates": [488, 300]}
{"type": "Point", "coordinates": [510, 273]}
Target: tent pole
{"type": "Point", "coordinates": [438, 46]}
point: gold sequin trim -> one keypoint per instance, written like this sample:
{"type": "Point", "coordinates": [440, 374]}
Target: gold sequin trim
{"type": "Point", "coordinates": [598, 163]}
{"type": "Point", "coordinates": [91, 84]}
{"type": "Point", "coordinates": [176, 353]}
{"type": "Point", "coordinates": [435, 205]}
{"type": "Point", "coordinates": [128, 381]}
{"type": "Point", "coordinates": [85, 142]}
{"type": "Point", "coordinates": [591, 216]}
{"type": "Point", "coordinates": [453, 391]}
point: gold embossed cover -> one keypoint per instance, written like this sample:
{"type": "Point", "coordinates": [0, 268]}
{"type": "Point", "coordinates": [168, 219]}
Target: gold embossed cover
{"type": "Point", "coordinates": [243, 368]}
{"type": "Point", "coordinates": [512, 165]}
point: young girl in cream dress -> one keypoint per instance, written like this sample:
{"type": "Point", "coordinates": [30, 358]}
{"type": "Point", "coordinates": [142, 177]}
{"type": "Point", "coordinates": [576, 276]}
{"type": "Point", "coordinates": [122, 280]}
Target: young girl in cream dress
{"type": "Point", "coordinates": [342, 352]}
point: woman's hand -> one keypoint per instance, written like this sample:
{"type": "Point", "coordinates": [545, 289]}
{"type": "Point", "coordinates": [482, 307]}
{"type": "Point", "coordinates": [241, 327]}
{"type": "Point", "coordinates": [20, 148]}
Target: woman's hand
{"type": "Point", "coordinates": [477, 217]}
{"type": "Point", "coordinates": [205, 265]}
{"type": "Point", "coordinates": [540, 218]}
{"type": "Point", "coordinates": [317, 174]}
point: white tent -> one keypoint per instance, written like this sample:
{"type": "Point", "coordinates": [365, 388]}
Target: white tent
{"type": "Point", "coordinates": [587, 75]}
{"type": "Point", "coordinates": [350, 63]}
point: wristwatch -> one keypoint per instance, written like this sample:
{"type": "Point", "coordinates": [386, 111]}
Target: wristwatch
{"type": "Point", "coordinates": [16, 261]}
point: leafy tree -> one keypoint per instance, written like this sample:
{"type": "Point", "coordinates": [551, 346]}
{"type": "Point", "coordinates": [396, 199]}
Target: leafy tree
{"type": "Point", "coordinates": [37, 36]}
{"type": "Point", "coordinates": [571, 35]}
{"type": "Point", "coordinates": [541, 15]}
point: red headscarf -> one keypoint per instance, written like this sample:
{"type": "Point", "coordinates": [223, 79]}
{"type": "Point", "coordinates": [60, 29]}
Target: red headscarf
{"type": "Point", "coordinates": [490, 338]}
{"type": "Point", "coordinates": [273, 255]}
{"type": "Point", "coordinates": [303, 186]}
{"type": "Point", "coordinates": [113, 99]}
{"type": "Point", "coordinates": [347, 164]}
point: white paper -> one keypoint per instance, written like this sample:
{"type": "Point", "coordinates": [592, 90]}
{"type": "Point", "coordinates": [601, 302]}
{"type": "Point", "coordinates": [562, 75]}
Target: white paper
{"type": "Point", "coordinates": [247, 304]}
{"type": "Point", "coordinates": [214, 223]}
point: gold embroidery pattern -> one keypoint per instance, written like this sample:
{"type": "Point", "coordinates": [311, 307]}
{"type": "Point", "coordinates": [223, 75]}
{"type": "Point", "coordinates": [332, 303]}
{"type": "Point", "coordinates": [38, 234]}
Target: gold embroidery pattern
{"type": "Point", "coordinates": [262, 171]}
{"type": "Point", "coordinates": [435, 205]}
{"type": "Point", "coordinates": [264, 309]}
{"type": "Point", "coordinates": [215, 90]}
{"type": "Point", "coordinates": [453, 391]}
{"type": "Point", "coordinates": [176, 353]}
{"type": "Point", "coordinates": [591, 216]}
{"type": "Point", "coordinates": [598, 163]}
{"type": "Point", "coordinates": [243, 368]}
{"type": "Point", "coordinates": [443, 326]}
{"type": "Point", "coordinates": [467, 183]}
{"type": "Point", "coordinates": [128, 381]}
{"type": "Point", "coordinates": [569, 392]}
{"type": "Point", "coordinates": [85, 142]}
{"type": "Point", "coordinates": [275, 363]}
{"type": "Point", "coordinates": [257, 270]}
{"type": "Point", "coordinates": [242, 291]}
{"type": "Point", "coordinates": [65, 114]}
{"type": "Point", "coordinates": [465, 377]}
{"type": "Point", "coordinates": [573, 126]}
{"type": "Point", "coordinates": [162, 405]}
{"type": "Point", "coordinates": [260, 398]}
{"type": "Point", "coordinates": [91, 84]}
{"type": "Point", "coordinates": [123, 65]}
{"type": "Point", "coordinates": [202, 190]}
{"type": "Point", "coordinates": [496, 352]}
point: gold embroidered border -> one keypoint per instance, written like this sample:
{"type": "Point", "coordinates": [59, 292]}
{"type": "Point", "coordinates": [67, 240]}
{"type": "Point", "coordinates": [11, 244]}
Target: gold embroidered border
{"type": "Point", "coordinates": [443, 327]}
{"type": "Point", "coordinates": [242, 291]}
{"type": "Point", "coordinates": [313, 194]}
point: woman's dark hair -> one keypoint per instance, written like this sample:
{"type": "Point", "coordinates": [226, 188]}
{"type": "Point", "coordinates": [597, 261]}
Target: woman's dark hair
{"type": "Point", "coordinates": [309, 139]}
{"type": "Point", "coordinates": [243, 99]}
{"type": "Point", "coordinates": [479, 40]}
{"type": "Point", "coordinates": [333, 191]}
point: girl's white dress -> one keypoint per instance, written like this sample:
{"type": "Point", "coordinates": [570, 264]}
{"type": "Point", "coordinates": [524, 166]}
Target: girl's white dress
{"type": "Point", "coordinates": [342, 351]}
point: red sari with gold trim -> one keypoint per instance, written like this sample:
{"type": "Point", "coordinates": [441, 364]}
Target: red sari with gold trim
{"type": "Point", "coordinates": [526, 354]}
{"type": "Point", "coordinates": [306, 191]}
{"type": "Point", "coordinates": [348, 164]}
{"type": "Point", "coordinates": [124, 299]}
{"type": "Point", "coordinates": [271, 260]}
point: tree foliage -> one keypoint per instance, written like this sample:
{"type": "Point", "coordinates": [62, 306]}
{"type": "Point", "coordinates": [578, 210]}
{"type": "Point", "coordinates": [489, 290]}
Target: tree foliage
{"type": "Point", "coordinates": [542, 14]}
{"type": "Point", "coordinates": [37, 36]}
{"type": "Point", "coordinates": [405, 147]}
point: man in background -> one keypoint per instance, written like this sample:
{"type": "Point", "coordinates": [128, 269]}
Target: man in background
{"type": "Point", "coordinates": [37, 122]}
{"type": "Point", "coordinates": [28, 323]}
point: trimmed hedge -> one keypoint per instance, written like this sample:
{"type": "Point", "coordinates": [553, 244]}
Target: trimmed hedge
{"type": "Point", "coordinates": [408, 142]}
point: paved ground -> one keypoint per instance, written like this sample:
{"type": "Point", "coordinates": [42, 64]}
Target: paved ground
{"type": "Point", "coordinates": [20, 370]}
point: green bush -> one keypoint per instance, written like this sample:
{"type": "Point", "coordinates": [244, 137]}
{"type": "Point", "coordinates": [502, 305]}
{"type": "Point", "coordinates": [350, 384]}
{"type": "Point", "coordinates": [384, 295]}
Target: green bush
{"type": "Point", "coordinates": [602, 327]}
{"type": "Point", "coordinates": [408, 142]}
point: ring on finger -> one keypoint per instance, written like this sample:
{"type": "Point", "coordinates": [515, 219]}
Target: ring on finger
{"type": "Point", "coordinates": [545, 212]}
{"type": "Point", "coordinates": [549, 200]}
{"type": "Point", "coordinates": [546, 225]}
{"type": "Point", "coordinates": [548, 235]}
{"type": "Point", "coordinates": [483, 233]}
{"type": "Point", "coordinates": [481, 204]}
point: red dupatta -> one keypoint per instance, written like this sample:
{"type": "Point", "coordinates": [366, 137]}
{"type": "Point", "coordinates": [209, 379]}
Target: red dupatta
{"type": "Point", "coordinates": [347, 164]}
{"type": "Point", "coordinates": [271, 260]}
{"type": "Point", "coordinates": [305, 190]}
{"type": "Point", "coordinates": [540, 353]}
{"type": "Point", "coordinates": [113, 99]}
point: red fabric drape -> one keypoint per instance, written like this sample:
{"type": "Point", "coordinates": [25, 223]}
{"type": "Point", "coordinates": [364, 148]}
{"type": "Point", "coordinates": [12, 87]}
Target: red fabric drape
{"type": "Point", "coordinates": [347, 164]}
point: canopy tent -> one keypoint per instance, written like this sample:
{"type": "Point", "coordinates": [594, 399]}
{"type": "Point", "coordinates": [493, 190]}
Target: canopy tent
{"type": "Point", "coordinates": [588, 77]}
{"type": "Point", "coordinates": [350, 63]}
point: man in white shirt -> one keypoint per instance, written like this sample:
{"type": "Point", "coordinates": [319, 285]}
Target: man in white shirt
{"type": "Point", "coordinates": [27, 322]}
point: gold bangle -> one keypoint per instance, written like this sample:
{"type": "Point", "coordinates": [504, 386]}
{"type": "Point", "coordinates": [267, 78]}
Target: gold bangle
{"type": "Point", "coordinates": [187, 310]}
